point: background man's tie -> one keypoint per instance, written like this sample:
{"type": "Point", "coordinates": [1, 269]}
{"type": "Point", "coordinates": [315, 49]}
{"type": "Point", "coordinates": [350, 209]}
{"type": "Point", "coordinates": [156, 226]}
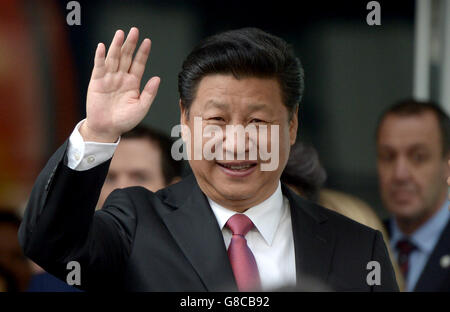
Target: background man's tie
{"type": "Point", "coordinates": [241, 257]}
{"type": "Point", "coordinates": [404, 247]}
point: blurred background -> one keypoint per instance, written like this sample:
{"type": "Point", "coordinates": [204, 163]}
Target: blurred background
{"type": "Point", "coordinates": [352, 72]}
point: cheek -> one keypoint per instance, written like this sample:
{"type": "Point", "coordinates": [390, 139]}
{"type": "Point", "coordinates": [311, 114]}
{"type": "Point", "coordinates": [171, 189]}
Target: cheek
{"type": "Point", "coordinates": [385, 174]}
{"type": "Point", "coordinates": [201, 166]}
{"type": "Point", "coordinates": [431, 178]}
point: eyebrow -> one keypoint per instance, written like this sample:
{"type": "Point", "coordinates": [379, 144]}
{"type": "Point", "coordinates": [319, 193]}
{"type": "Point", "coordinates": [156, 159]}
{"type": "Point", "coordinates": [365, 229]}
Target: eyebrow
{"type": "Point", "coordinates": [414, 147]}
{"type": "Point", "coordinates": [252, 107]}
{"type": "Point", "coordinates": [419, 146]}
{"type": "Point", "coordinates": [213, 103]}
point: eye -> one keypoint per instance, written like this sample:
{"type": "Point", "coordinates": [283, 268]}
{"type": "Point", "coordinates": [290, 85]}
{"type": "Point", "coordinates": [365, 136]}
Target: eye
{"type": "Point", "coordinates": [386, 157]}
{"type": "Point", "coordinates": [110, 178]}
{"type": "Point", "coordinates": [140, 177]}
{"type": "Point", "coordinates": [216, 120]}
{"type": "Point", "coordinates": [419, 157]}
{"type": "Point", "coordinates": [256, 120]}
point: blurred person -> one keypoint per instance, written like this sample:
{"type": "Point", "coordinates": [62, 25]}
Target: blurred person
{"type": "Point", "coordinates": [413, 148]}
{"type": "Point", "coordinates": [8, 282]}
{"type": "Point", "coordinates": [305, 175]}
{"type": "Point", "coordinates": [230, 225]}
{"type": "Point", "coordinates": [303, 172]}
{"type": "Point", "coordinates": [19, 273]}
{"type": "Point", "coordinates": [16, 267]}
{"type": "Point", "coordinates": [142, 158]}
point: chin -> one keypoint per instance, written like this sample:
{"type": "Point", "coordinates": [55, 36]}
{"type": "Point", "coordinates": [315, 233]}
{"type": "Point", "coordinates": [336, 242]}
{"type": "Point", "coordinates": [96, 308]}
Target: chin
{"type": "Point", "coordinates": [405, 211]}
{"type": "Point", "coordinates": [237, 192]}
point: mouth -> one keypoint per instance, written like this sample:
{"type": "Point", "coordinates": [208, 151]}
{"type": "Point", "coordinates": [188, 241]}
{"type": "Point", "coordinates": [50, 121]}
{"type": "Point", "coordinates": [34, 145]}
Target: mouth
{"type": "Point", "coordinates": [237, 168]}
{"type": "Point", "coordinates": [402, 195]}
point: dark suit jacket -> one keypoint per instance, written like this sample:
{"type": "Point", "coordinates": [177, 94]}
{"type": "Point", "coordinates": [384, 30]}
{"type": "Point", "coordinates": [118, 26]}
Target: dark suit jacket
{"type": "Point", "coordinates": [434, 277]}
{"type": "Point", "coordinates": [170, 240]}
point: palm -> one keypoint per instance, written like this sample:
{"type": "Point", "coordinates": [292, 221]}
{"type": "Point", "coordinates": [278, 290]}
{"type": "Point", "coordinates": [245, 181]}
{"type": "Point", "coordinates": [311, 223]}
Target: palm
{"type": "Point", "coordinates": [114, 101]}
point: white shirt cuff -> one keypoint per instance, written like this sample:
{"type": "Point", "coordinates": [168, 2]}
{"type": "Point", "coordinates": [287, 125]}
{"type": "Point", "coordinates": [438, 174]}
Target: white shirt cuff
{"type": "Point", "coordinates": [83, 155]}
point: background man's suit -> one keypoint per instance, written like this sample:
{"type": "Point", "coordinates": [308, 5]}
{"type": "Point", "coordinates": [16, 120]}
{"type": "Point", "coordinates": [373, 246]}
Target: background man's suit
{"type": "Point", "coordinates": [435, 276]}
{"type": "Point", "coordinates": [170, 240]}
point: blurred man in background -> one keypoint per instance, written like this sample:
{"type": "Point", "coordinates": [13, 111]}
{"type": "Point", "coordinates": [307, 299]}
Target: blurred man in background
{"type": "Point", "coordinates": [15, 269]}
{"type": "Point", "coordinates": [142, 158]}
{"type": "Point", "coordinates": [413, 147]}
{"type": "Point", "coordinates": [305, 174]}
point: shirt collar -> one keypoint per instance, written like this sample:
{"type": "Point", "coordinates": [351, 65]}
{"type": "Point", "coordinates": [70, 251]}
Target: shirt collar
{"type": "Point", "coordinates": [426, 237]}
{"type": "Point", "coordinates": [265, 216]}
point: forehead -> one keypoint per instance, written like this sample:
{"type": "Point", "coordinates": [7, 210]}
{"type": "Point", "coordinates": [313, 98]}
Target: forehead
{"type": "Point", "coordinates": [399, 131]}
{"type": "Point", "coordinates": [225, 91]}
{"type": "Point", "coordinates": [136, 152]}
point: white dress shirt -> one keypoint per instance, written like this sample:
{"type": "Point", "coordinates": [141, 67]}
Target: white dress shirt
{"type": "Point", "coordinates": [83, 155]}
{"type": "Point", "coordinates": [271, 240]}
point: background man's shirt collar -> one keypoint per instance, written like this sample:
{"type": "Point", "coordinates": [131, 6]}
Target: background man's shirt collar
{"type": "Point", "coordinates": [425, 237]}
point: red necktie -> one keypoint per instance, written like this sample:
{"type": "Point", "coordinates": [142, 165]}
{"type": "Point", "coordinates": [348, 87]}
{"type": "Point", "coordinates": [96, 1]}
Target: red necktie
{"type": "Point", "coordinates": [242, 261]}
{"type": "Point", "coordinates": [404, 247]}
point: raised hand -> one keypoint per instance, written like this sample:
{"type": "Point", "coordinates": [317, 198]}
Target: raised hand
{"type": "Point", "coordinates": [114, 102]}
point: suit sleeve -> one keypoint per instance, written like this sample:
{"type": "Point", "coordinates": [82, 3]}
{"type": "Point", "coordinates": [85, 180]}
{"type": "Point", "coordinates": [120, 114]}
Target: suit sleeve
{"type": "Point", "coordinates": [380, 254]}
{"type": "Point", "coordinates": [60, 224]}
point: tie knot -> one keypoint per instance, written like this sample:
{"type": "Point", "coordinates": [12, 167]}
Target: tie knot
{"type": "Point", "coordinates": [405, 246]}
{"type": "Point", "coordinates": [239, 224]}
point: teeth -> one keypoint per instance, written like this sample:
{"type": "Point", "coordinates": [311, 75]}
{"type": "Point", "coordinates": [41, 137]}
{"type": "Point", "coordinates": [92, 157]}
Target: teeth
{"type": "Point", "coordinates": [237, 167]}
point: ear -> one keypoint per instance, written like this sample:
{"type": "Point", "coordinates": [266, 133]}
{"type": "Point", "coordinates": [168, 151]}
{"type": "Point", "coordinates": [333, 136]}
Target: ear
{"type": "Point", "coordinates": [293, 127]}
{"type": "Point", "coordinates": [448, 177]}
{"type": "Point", "coordinates": [183, 119]}
{"type": "Point", "coordinates": [183, 113]}
{"type": "Point", "coordinates": [447, 167]}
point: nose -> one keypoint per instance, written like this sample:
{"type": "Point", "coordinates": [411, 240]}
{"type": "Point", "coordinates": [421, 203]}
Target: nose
{"type": "Point", "coordinates": [401, 170]}
{"type": "Point", "coordinates": [237, 141]}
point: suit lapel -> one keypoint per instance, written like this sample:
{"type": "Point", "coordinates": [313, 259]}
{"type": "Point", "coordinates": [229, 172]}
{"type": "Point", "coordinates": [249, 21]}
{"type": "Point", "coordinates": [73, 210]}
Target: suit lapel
{"type": "Point", "coordinates": [434, 275]}
{"type": "Point", "coordinates": [195, 229]}
{"type": "Point", "coordinates": [313, 239]}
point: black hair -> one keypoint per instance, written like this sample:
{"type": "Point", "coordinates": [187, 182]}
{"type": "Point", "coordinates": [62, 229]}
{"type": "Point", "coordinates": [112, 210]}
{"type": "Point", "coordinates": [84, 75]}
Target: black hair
{"type": "Point", "coordinates": [246, 52]}
{"type": "Point", "coordinates": [411, 107]}
{"type": "Point", "coordinates": [304, 171]}
{"type": "Point", "coordinates": [170, 167]}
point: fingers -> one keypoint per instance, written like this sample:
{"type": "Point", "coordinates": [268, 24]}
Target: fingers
{"type": "Point", "coordinates": [138, 65]}
{"type": "Point", "coordinates": [128, 49]}
{"type": "Point", "coordinates": [120, 54]}
{"type": "Point", "coordinates": [113, 57]}
{"type": "Point", "coordinates": [99, 62]}
{"type": "Point", "coordinates": [149, 92]}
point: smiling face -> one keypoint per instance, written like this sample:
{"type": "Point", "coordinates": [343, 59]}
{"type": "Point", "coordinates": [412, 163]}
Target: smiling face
{"type": "Point", "coordinates": [411, 167]}
{"type": "Point", "coordinates": [223, 100]}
